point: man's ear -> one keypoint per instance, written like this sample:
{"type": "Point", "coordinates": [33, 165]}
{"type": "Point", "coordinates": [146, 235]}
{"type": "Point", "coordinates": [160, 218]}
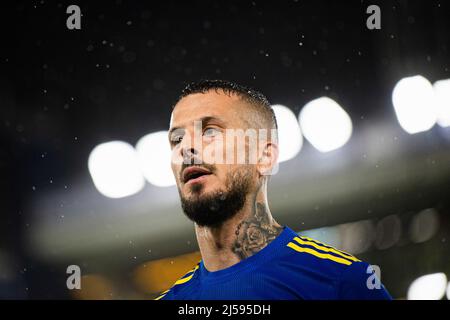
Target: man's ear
{"type": "Point", "coordinates": [268, 160]}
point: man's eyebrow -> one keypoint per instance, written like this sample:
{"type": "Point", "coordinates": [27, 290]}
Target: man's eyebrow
{"type": "Point", "coordinates": [203, 120]}
{"type": "Point", "coordinates": [212, 118]}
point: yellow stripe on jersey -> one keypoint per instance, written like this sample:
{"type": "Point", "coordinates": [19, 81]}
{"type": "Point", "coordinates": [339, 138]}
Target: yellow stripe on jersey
{"type": "Point", "coordinates": [326, 249]}
{"type": "Point", "coordinates": [318, 254]}
{"type": "Point", "coordinates": [195, 268]}
{"type": "Point", "coordinates": [182, 280]}
{"type": "Point", "coordinates": [162, 294]}
{"type": "Point", "coordinates": [327, 246]}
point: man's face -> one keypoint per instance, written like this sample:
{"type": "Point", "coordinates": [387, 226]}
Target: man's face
{"type": "Point", "coordinates": [198, 133]}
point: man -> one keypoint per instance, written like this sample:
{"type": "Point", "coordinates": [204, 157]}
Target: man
{"type": "Point", "coordinates": [245, 253]}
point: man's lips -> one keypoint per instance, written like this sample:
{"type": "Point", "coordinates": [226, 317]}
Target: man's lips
{"type": "Point", "coordinates": [193, 174]}
{"type": "Point", "coordinates": [197, 180]}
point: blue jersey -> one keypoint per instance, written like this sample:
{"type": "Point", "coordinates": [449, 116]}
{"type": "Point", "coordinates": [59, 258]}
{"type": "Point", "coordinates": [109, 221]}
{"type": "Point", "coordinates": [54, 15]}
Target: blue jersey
{"type": "Point", "coordinates": [290, 267]}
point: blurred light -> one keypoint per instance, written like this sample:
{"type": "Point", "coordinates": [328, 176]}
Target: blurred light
{"type": "Point", "coordinates": [414, 104]}
{"type": "Point", "coordinates": [94, 287]}
{"type": "Point", "coordinates": [442, 95]}
{"type": "Point", "coordinates": [389, 230]}
{"type": "Point", "coordinates": [114, 168]}
{"type": "Point", "coordinates": [424, 225]}
{"type": "Point", "coordinates": [448, 291]}
{"type": "Point", "coordinates": [155, 158]}
{"type": "Point", "coordinates": [428, 287]}
{"type": "Point", "coordinates": [357, 237]}
{"type": "Point", "coordinates": [159, 275]}
{"type": "Point", "coordinates": [325, 124]}
{"type": "Point", "coordinates": [327, 235]}
{"type": "Point", "coordinates": [290, 138]}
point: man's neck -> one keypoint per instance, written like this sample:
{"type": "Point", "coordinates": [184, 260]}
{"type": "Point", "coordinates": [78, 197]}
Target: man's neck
{"type": "Point", "coordinates": [248, 232]}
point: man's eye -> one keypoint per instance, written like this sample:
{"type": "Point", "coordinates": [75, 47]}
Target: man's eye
{"type": "Point", "coordinates": [176, 139]}
{"type": "Point", "coordinates": [210, 132]}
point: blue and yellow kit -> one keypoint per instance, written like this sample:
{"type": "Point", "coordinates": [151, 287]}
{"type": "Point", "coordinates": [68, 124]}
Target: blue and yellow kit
{"type": "Point", "coordinates": [291, 267]}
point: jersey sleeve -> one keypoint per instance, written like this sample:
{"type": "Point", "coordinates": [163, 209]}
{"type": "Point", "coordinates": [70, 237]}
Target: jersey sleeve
{"type": "Point", "coordinates": [360, 282]}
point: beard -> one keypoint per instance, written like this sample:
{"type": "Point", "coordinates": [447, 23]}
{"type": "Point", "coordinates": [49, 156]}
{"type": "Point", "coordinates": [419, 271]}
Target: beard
{"type": "Point", "coordinates": [214, 208]}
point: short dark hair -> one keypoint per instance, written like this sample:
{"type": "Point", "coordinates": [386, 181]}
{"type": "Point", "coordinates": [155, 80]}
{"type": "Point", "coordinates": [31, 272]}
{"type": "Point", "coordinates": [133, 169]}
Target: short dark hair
{"type": "Point", "coordinates": [248, 94]}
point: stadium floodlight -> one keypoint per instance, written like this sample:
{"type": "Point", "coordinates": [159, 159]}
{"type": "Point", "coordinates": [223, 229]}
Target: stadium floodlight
{"type": "Point", "coordinates": [155, 158]}
{"type": "Point", "coordinates": [290, 139]}
{"type": "Point", "coordinates": [442, 95]}
{"type": "Point", "coordinates": [448, 291]}
{"type": "Point", "coordinates": [114, 169]}
{"type": "Point", "coordinates": [414, 104]}
{"type": "Point", "coordinates": [428, 287]}
{"type": "Point", "coordinates": [325, 124]}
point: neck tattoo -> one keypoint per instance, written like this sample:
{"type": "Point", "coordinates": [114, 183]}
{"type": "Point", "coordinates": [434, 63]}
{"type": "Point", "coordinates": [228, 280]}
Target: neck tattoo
{"type": "Point", "coordinates": [254, 233]}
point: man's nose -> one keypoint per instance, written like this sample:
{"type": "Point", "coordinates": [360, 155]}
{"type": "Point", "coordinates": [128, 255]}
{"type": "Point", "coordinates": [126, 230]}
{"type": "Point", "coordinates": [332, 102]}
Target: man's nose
{"type": "Point", "coordinates": [188, 154]}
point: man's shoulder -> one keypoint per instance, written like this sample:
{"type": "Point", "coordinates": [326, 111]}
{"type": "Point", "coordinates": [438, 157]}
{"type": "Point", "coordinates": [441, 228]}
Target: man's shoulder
{"type": "Point", "coordinates": [309, 252]}
{"type": "Point", "coordinates": [318, 262]}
